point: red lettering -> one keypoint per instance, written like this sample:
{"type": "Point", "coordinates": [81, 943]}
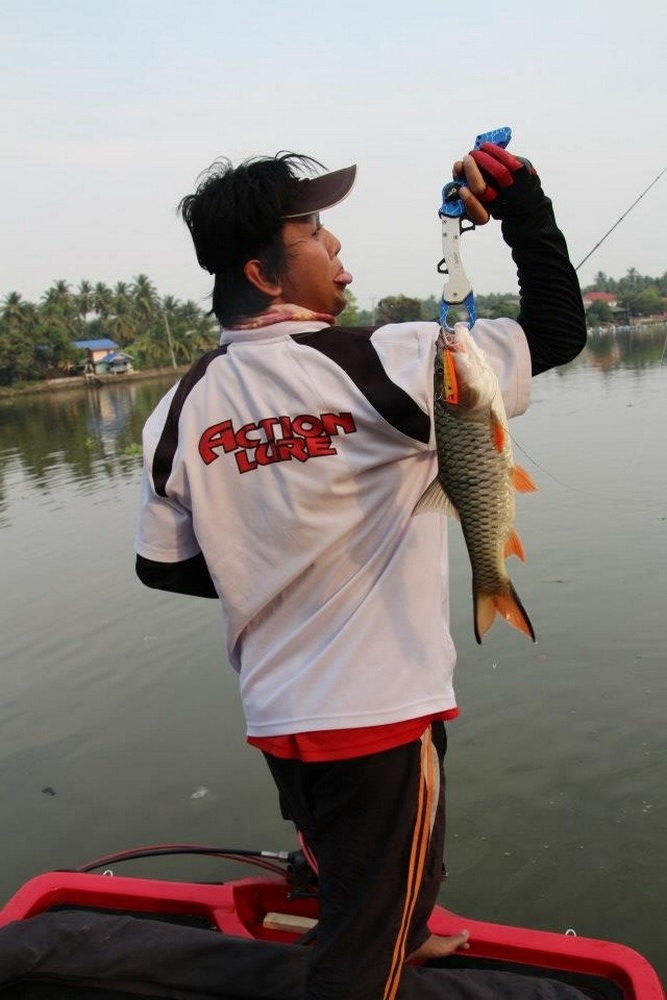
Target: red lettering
{"type": "Point", "coordinates": [243, 461]}
{"type": "Point", "coordinates": [320, 446]}
{"type": "Point", "coordinates": [243, 439]}
{"type": "Point", "coordinates": [217, 436]}
{"type": "Point", "coordinates": [267, 426]}
{"type": "Point", "coordinates": [293, 448]}
{"type": "Point", "coordinates": [333, 422]}
{"type": "Point", "coordinates": [306, 436]}
{"type": "Point", "coordinates": [266, 454]}
{"type": "Point", "coordinates": [286, 427]}
{"type": "Point", "coordinates": [307, 426]}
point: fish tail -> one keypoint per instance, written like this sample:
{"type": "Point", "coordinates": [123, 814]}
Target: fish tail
{"type": "Point", "coordinates": [508, 605]}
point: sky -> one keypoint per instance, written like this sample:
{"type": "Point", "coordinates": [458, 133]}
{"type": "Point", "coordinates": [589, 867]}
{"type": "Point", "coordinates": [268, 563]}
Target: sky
{"type": "Point", "coordinates": [110, 111]}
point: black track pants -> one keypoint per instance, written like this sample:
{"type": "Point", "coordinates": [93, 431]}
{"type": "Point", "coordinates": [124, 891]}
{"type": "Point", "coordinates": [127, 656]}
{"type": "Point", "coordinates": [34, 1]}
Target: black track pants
{"type": "Point", "coordinates": [376, 826]}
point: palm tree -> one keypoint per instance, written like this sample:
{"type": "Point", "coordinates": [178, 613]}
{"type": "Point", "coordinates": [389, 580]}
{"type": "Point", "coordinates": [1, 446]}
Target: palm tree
{"type": "Point", "coordinates": [19, 318]}
{"type": "Point", "coordinates": [18, 340]}
{"type": "Point", "coordinates": [84, 299]}
{"type": "Point", "coordinates": [58, 304]}
{"type": "Point", "coordinates": [59, 325]}
{"type": "Point", "coordinates": [123, 325]}
{"type": "Point", "coordinates": [102, 300]}
{"type": "Point", "coordinates": [150, 352]}
{"type": "Point", "coordinates": [13, 309]}
{"type": "Point", "coordinates": [189, 331]}
{"type": "Point", "coordinates": [169, 312]}
{"type": "Point", "coordinates": [202, 329]}
{"type": "Point", "coordinates": [145, 299]}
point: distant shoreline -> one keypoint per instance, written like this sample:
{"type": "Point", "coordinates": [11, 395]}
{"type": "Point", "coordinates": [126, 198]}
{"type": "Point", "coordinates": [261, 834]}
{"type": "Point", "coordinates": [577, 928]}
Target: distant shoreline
{"type": "Point", "coordinates": [45, 386]}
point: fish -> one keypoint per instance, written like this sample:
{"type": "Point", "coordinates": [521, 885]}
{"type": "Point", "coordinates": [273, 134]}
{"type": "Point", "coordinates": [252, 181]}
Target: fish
{"type": "Point", "coordinates": [477, 479]}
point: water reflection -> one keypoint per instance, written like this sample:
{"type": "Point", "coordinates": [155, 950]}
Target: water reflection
{"type": "Point", "coordinates": [626, 347]}
{"type": "Point", "coordinates": [90, 432]}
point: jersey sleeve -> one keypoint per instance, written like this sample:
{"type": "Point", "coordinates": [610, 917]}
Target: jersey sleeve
{"type": "Point", "coordinates": [165, 531]}
{"type": "Point", "coordinates": [406, 352]}
{"type": "Point", "coordinates": [505, 344]}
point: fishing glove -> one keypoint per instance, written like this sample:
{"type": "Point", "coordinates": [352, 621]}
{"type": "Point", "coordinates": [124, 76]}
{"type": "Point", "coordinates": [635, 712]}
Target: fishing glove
{"type": "Point", "coordinates": [513, 187]}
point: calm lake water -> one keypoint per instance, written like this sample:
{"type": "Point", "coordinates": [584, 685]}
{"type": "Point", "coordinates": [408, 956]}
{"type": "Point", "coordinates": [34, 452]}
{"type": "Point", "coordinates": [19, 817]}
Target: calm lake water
{"type": "Point", "coordinates": [120, 722]}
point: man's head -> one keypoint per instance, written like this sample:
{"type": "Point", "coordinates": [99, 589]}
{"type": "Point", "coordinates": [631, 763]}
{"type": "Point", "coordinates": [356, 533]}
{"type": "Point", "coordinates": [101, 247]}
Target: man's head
{"type": "Point", "coordinates": [251, 226]}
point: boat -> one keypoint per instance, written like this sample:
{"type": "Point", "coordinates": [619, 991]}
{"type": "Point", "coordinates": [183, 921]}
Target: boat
{"type": "Point", "coordinates": [93, 933]}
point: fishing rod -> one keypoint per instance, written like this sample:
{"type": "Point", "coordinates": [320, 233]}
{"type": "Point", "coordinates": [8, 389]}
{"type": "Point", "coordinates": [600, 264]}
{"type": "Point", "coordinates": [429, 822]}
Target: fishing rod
{"type": "Point", "coordinates": [627, 211]}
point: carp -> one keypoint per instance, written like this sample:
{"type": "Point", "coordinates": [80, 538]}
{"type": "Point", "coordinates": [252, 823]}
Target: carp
{"type": "Point", "coordinates": [477, 478]}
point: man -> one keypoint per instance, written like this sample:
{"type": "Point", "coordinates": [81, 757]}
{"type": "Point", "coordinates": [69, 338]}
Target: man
{"type": "Point", "coordinates": [281, 475]}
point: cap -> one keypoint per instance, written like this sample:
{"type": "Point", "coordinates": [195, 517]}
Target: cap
{"type": "Point", "coordinates": [314, 194]}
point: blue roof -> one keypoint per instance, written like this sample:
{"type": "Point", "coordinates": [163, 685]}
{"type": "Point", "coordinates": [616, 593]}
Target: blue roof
{"type": "Point", "coordinates": [116, 356]}
{"type": "Point", "coordinates": [97, 345]}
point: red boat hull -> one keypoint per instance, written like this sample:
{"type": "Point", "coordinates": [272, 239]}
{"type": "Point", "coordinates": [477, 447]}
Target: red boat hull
{"type": "Point", "coordinates": [240, 908]}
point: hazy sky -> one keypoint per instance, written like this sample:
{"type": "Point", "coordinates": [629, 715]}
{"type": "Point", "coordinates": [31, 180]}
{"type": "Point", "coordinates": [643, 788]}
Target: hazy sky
{"type": "Point", "coordinates": [111, 109]}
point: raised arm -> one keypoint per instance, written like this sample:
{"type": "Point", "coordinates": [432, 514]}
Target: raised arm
{"type": "Point", "coordinates": [551, 308]}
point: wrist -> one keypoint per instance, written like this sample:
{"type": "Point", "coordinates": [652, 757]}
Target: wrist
{"type": "Point", "coordinates": [522, 200]}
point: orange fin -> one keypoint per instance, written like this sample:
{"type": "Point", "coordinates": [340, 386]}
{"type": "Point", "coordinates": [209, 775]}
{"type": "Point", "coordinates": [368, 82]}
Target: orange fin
{"type": "Point", "coordinates": [507, 605]}
{"type": "Point", "coordinates": [514, 546]}
{"type": "Point", "coordinates": [450, 386]}
{"type": "Point", "coordinates": [498, 433]}
{"type": "Point", "coordinates": [521, 481]}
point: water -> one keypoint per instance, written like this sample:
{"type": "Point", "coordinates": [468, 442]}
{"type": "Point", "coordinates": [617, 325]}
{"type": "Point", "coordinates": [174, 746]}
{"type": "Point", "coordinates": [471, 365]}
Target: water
{"type": "Point", "coordinates": [120, 722]}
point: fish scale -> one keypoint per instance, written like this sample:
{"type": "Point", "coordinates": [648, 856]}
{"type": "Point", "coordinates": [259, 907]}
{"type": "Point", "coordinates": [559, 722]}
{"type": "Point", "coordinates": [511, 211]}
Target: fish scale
{"type": "Point", "coordinates": [475, 479]}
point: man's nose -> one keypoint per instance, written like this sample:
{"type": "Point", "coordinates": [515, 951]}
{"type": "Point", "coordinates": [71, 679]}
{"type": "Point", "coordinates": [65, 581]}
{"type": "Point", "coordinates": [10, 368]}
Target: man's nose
{"type": "Point", "coordinates": [333, 244]}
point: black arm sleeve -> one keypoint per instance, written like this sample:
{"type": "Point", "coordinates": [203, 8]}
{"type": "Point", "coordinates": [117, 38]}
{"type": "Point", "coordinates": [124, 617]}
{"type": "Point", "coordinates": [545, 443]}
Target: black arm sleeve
{"type": "Point", "coordinates": [191, 576]}
{"type": "Point", "coordinates": [552, 311]}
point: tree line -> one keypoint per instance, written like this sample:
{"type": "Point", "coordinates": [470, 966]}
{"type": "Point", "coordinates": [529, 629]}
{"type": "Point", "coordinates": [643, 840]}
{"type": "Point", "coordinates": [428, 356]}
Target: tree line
{"type": "Point", "coordinates": [37, 339]}
{"type": "Point", "coordinates": [636, 295]}
{"type": "Point", "coordinates": [404, 309]}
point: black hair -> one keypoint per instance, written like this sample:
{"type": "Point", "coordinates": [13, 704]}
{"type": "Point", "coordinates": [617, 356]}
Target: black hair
{"type": "Point", "coordinates": [236, 214]}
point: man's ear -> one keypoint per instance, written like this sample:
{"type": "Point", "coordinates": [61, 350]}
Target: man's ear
{"type": "Point", "coordinates": [254, 272]}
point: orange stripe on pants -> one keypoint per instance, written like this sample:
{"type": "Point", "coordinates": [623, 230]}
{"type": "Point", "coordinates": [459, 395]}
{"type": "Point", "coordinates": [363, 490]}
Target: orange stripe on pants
{"type": "Point", "coordinates": [424, 817]}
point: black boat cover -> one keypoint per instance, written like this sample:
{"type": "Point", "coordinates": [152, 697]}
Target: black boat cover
{"type": "Point", "coordinates": [86, 954]}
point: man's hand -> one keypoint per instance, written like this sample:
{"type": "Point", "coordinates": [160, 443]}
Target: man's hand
{"type": "Point", "coordinates": [497, 183]}
{"type": "Point", "coordinates": [509, 184]}
{"type": "Point", "coordinates": [472, 193]}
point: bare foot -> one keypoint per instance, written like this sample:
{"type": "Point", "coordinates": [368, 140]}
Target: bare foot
{"type": "Point", "coordinates": [436, 946]}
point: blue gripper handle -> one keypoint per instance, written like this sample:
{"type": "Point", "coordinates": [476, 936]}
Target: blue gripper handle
{"type": "Point", "coordinates": [452, 205]}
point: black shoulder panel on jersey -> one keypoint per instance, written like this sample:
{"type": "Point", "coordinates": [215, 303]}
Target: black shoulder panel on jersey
{"type": "Point", "coordinates": [351, 349]}
{"type": "Point", "coordinates": [166, 446]}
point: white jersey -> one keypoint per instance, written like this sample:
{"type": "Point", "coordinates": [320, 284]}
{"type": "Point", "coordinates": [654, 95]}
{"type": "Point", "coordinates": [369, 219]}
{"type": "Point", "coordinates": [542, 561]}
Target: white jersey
{"type": "Point", "coordinates": [292, 458]}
